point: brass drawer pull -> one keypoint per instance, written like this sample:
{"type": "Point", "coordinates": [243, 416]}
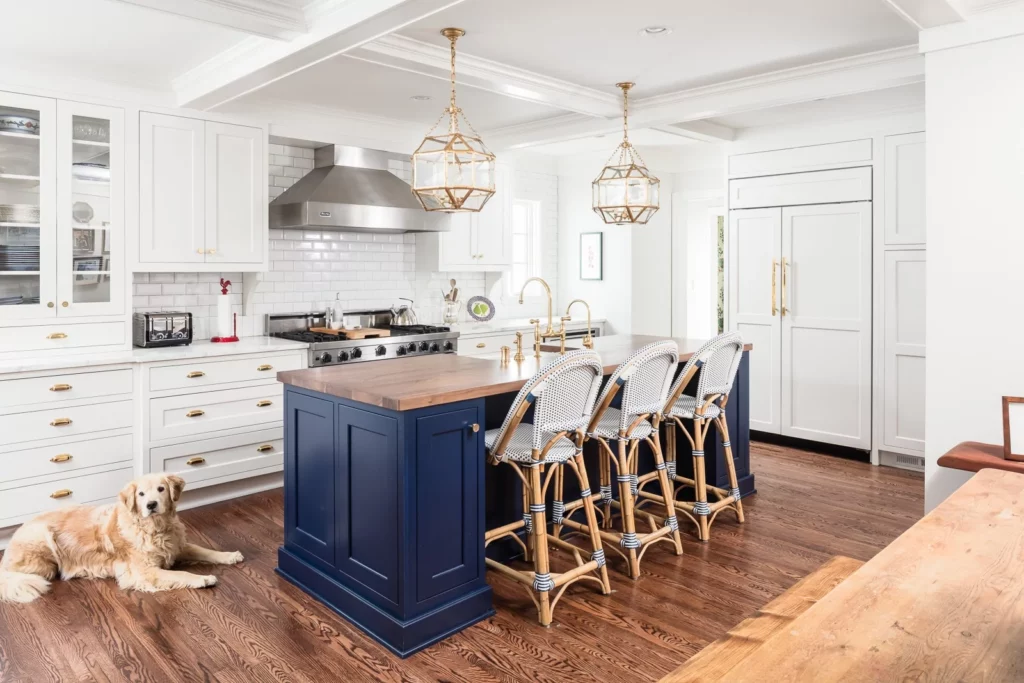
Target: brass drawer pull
{"type": "Point", "coordinates": [481, 345]}
{"type": "Point", "coordinates": [475, 427]}
{"type": "Point", "coordinates": [56, 335]}
{"type": "Point", "coordinates": [264, 404]}
{"type": "Point", "coordinates": [61, 387]}
{"type": "Point", "coordinates": [264, 368]}
{"type": "Point", "coordinates": [63, 457]}
{"type": "Point", "coordinates": [195, 413]}
{"type": "Point", "coordinates": [195, 373]}
{"type": "Point", "coordinates": [195, 461]}
{"type": "Point", "coordinates": [63, 493]}
{"type": "Point", "coordinates": [264, 448]}
{"type": "Point", "coordinates": [60, 422]}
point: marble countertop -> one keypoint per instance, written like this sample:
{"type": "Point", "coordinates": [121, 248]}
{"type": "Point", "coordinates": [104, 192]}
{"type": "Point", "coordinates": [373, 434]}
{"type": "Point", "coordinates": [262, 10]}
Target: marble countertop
{"type": "Point", "coordinates": [198, 349]}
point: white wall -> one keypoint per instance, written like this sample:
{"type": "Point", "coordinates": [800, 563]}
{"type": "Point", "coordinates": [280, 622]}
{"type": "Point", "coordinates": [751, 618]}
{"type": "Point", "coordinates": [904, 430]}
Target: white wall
{"type": "Point", "coordinates": [975, 271]}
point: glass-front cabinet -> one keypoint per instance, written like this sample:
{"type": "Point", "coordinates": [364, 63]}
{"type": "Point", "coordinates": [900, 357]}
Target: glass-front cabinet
{"type": "Point", "coordinates": [61, 209]}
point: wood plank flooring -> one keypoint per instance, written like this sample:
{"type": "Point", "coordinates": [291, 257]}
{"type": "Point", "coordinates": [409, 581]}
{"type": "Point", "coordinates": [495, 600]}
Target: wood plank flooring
{"type": "Point", "coordinates": [254, 626]}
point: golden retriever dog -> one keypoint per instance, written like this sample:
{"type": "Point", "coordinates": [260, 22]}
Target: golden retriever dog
{"type": "Point", "coordinates": [135, 540]}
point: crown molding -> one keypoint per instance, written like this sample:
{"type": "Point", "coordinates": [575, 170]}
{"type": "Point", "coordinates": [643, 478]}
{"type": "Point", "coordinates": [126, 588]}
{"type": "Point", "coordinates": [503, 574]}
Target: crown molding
{"type": "Point", "coordinates": [922, 14]}
{"type": "Point", "coordinates": [267, 18]}
{"type": "Point", "coordinates": [834, 78]}
{"type": "Point", "coordinates": [433, 60]}
{"type": "Point", "coordinates": [995, 21]}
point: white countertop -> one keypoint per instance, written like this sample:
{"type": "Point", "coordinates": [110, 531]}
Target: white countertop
{"type": "Point", "coordinates": [472, 328]}
{"type": "Point", "coordinates": [198, 349]}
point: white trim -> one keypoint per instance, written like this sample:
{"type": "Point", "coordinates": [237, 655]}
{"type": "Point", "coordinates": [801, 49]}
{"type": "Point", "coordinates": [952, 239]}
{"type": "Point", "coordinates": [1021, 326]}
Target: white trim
{"type": "Point", "coordinates": [267, 18]}
{"type": "Point", "coordinates": [704, 131]}
{"type": "Point", "coordinates": [1000, 22]}
{"type": "Point", "coordinates": [923, 14]}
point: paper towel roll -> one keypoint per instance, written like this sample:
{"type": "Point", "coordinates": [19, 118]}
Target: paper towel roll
{"type": "Point", "coordinates": [224, 326]}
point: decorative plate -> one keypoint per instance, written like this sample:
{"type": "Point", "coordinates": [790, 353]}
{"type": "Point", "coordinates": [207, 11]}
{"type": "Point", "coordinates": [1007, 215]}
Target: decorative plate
{"type": "Point", "coordinates": [82, 212]}
{"type": "Point", "coordinates": [480, 308]}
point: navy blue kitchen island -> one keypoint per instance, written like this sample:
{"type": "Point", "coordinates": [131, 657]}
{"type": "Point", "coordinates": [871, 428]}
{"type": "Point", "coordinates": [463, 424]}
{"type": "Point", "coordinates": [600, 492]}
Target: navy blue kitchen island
{"type": "Point", "coordinates": [385, 505]}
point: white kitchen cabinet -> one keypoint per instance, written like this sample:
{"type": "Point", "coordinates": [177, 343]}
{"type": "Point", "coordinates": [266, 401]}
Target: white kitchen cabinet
{"type": "Point", "coordinates": [476, 242]}
{"type": "Point", "coordinates": [61, 213]}
{"type": "Point", "coordinates": [800, 279]}
{"type": "Point", "coordinates": [202, 195]}
{"type": "Point", "coordinates": [904, 189]}
{"type": "Point", "coordinates": [904, 361]}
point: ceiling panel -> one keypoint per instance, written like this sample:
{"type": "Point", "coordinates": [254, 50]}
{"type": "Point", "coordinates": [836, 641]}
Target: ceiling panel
{"type": "Point", "coordinates": [906, 98]}
{"type": "Point", "coordinates": [596, 42]}
{"type": "Point", "coordinates": [361, 87]}
{"type": "Point", "coordinates": [106, 40]}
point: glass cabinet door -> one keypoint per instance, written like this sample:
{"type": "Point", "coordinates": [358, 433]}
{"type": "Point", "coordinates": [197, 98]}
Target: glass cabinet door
{"type": "Point", "coordinates": [27, 194]}
{"type": "Point", "coordinates": [90, 210]}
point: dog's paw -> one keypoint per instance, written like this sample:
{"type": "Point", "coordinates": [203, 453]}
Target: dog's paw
{"type": "Point", "coordinates": [234, 558]}
{"type": "Point", "coordinates": [208, 580]}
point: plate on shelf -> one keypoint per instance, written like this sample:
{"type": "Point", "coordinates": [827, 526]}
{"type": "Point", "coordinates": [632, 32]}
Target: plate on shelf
{"type": "Point", "coordinates": [82, 212]}
{"type": "Point", "coordinates": [19, 123]}
{"type": "Point", "coordinates": [480, 308]}
{"type": "Point", "coordinates": [94, 172]}
{"type": "Point", "coordinates": [19, 213]}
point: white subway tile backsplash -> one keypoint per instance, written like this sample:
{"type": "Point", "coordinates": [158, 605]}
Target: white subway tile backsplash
{"type": "Point", "coordinates": [309, 268]}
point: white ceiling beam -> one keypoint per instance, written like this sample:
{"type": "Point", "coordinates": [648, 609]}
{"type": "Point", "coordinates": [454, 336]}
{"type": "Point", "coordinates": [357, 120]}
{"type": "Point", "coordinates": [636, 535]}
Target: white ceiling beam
{"type": "Point", "coordinates": [433, 60]}
{"type": "Point", "coordinates": [340, 26]}
{"type": "Point", "coordinates": [704, 131]}
{"type": "Point", "coordinates": [863, 73]}
{"type": "Point", "coordinates": [922, 14]}
{"type": "Point", "coordinates": [267, 18]}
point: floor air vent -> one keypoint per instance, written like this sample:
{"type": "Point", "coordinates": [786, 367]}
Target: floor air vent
{"type": "Point", "coordinates": [906, 462]}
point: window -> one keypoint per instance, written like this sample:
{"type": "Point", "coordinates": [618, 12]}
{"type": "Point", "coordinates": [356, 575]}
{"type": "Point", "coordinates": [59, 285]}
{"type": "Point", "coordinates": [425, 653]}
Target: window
{"type": "Point", "coordinates": [526, 252]}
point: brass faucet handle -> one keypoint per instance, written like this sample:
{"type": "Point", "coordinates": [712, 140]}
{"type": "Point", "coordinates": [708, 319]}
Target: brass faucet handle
{"type": "Point", "coordinates": [565, 319]}
{"type": "Point", "coordinates": [519, 357]}
{"type": "Point", "coordinates": [535, 321]}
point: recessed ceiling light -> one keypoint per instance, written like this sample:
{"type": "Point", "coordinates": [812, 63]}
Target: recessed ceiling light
{"type": "Point", "coordinates": [653, 31]}
{"type": "Point", "coordinates": [421, 98]}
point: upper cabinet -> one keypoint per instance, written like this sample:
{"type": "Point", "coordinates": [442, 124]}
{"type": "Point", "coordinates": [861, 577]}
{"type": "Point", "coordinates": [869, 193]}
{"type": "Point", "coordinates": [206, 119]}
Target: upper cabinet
{"type": "Point", "coordinates": [476, 242]}
{"type": "Point", "coordinates": [904, 189]}
{"type": "Point", "coordinates": [202, 195]}
{"type": "Point", "coordinates": [61, 209]}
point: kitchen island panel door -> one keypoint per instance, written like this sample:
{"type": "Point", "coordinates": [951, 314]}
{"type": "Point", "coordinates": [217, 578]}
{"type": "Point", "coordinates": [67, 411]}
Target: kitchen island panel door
{"type": "Point", "coordinates": [449, 464]}
{"type": "Point", "coordinates": [368, 505]}
{"type": "Point", "coordinates": [309, 475]}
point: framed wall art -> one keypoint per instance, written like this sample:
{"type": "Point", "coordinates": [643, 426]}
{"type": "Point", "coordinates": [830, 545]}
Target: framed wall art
{"type": "Point", "coordinates": [591, 256]}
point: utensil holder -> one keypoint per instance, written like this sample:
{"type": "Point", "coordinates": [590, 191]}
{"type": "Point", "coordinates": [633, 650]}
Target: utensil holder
{"type": "Point", "coordinates": [450, 311]}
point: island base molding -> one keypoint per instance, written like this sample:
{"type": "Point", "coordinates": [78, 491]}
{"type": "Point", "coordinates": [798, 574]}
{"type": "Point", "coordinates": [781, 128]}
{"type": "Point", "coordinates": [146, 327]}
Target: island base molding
{"type": "Point", "coordinates": [403, 637]}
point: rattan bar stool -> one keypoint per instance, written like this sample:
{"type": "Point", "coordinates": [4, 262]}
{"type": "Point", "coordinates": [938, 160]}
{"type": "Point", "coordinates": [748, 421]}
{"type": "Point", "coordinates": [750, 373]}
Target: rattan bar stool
{"type": "Point", "coordinates": [563, 396]}
{"type": "Point", "coordinates": [643, 380]}
{"type": "Point", "coordinates": [717, 362]}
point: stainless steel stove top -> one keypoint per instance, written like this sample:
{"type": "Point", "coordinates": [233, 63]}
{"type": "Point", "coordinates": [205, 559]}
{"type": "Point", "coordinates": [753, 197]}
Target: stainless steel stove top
{"type": "Point", "coordinates": [328, 349]}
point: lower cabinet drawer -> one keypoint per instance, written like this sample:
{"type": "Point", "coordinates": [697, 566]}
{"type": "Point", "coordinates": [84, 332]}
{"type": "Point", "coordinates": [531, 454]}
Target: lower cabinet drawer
{"type": "Point", "coordinates": [52, 423]}
{"type": "Point", "coordinates": [20, 503]}
{"type": "Point", "coordinates": [183, 416]}
{"type": "Point", "coordinates": [492, 343]}
{"type": "Point", "coordinates": [65, 457]}
{"type": "Point", "coordinates": [200, 374]}
{"type": "Point", "coordinates": [61, 336]}
{"type": "Point", "coordinates": [220, 457]}
{"type": "Point", "coordinates": [64, 387]}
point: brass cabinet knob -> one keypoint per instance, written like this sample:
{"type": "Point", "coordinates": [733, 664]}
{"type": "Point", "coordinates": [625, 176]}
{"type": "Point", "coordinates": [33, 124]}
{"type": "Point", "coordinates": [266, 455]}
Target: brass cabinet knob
{"type": "Point", "coordinates": [60, 422]}
{"type": "Point", "coordinates": [211, 251]}
{"type": "Point", "coordinates": [49, 304]}
{"type": "Point", "coordinates": [63, 457]}
{"type": "Point", "coordinates": [195, 373]}
{"type": "Point", "coordinates": [62, 493]}
{"type": "Point", "coordinates": [264, 368]}
{"type": "Point", "coordinates": [61, 387]}
{"type": "Point", "coordinates": [475, 427]}
{"type": "Point", "coordinates": [264, 404]}
{"type": "Point", "coordinates": [56, 335]}
{"type": "Point", "coordinates": [64, 304]}
{"type": "Point", "coordinates": [264, 448]}
{"type": "Point", "coordinates": [195, 413]}
{"type": "Point", "coordinates": [200, 251]}
{"type": "Point", "coordinates": [195, 461]}
{"type": "Point", "coordinates": [481, 345]}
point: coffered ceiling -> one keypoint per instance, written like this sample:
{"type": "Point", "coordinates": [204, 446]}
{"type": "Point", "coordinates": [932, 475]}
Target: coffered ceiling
{"type": "Point", "coordinates": [529, 71]}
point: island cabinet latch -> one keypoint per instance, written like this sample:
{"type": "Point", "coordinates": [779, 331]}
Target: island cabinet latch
{"type": "Point", "coordinates": [475, 427]}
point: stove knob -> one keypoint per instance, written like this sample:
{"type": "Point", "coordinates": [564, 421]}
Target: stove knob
{"type": "Point", "coordinates": [401, 351]}
{"type": "Point", "coordinates": [343, 356]}
{"type": "Point", "coordinates": [433, 348]}
{"type": "Point", "coordinates": [357, 353]}
{"type": "Point", "coordinates": [448, 346]}
{"type": "Point", "coordinates": [424, 346]}
{"type": "Point", "coordinates": [324, 358]}
{"type": "Point", "coordinates": [412, 347]}
{"type": "Point", "coordinates": [380, 351]}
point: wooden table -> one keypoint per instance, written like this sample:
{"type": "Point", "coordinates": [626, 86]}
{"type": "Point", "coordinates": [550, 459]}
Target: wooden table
{"type": "Point", "coordinates": [943, 602]}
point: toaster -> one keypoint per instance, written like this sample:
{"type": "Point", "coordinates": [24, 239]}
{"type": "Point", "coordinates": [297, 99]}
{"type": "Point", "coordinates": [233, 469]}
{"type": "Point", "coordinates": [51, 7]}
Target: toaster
{"type": "Point", "coordinates": [161, 329]}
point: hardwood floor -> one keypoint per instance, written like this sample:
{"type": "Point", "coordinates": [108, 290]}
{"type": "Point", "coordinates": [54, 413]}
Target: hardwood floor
{"type": "Point", "coordinates": [254, 626]}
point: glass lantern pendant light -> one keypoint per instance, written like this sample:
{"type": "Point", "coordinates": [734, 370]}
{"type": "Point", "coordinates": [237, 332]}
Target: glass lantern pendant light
{"type": "Point", "coordinates": [625, 192]}
{"type": "Point", "coordinates": [452, 170]}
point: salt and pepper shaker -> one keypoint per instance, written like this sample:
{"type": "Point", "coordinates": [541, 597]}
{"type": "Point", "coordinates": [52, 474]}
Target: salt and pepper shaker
{"type": "Point", "coordinates": [506, 352]}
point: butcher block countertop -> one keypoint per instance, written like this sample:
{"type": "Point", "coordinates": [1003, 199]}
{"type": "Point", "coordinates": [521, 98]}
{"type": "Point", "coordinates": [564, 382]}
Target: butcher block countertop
{"type": "Point", "coordinates": [412, 383]}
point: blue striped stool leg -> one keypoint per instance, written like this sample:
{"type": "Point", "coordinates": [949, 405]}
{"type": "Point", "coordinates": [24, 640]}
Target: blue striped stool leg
{"type": "Point", "coordinates": [630, 544]}
{"type": "Point", "coordinates": [591, 514]}
{"type": "Point", "coordinates": [730, 464]}
{"type": "Point", "coordinates": [666, 492]}
{"type": "Point", "coordinates": [542, 582]}
{"type": "Point", "coordinates": [701, 509]}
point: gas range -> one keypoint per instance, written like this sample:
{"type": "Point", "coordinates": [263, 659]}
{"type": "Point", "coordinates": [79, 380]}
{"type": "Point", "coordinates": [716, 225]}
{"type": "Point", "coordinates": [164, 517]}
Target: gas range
{"type": "Point", "coordinates": [330, 349]}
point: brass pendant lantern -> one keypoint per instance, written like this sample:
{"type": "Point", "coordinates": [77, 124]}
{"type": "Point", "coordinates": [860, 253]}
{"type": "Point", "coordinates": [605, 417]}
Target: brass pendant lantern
{"type": "Point", "coordinates": [452, 170]}
{"type": "Point", "coordinates": [626, 192]}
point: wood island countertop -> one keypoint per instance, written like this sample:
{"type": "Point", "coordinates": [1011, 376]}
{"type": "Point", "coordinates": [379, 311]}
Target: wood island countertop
{"type": "Point", "coordinates": [435, 380]}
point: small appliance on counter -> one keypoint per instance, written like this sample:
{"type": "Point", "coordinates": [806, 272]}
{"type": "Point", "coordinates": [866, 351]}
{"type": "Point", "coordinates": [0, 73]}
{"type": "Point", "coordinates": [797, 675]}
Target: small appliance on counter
{"type": "Point", "coordinates": [161, 329]}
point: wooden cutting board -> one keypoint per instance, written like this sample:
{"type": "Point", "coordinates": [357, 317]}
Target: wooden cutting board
{"type": "Point", "coordinates": [363, 333]}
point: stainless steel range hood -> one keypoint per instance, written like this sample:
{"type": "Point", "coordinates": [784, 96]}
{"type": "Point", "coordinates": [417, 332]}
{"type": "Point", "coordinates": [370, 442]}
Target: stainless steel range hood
{"type": "Point", "coordinates": [351, 188]}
